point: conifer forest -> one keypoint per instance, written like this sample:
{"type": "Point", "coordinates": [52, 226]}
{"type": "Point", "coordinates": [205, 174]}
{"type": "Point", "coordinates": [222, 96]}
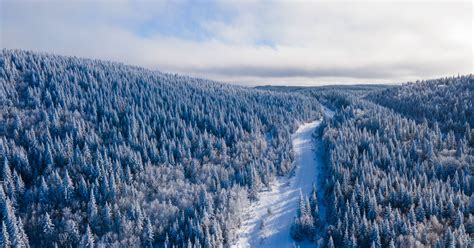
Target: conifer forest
{"type": "Point", "coordinates": [102, 154]}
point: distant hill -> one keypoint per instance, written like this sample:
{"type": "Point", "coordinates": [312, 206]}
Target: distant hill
{"type": "Point", "coordinates": [355, 87]}
{"type": "Point", "coordinates": [447, 101]}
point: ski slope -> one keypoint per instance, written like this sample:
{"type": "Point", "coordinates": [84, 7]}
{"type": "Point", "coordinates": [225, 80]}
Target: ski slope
{"type": "Point", "coordinates": [267, 222]}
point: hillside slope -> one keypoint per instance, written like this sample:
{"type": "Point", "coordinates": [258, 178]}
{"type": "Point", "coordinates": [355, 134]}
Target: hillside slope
{"type": "Point", "coordinates": [393, 182]}
{"type": "Point", "coordinates": [95, 152]}
{"type": "Point", "coordinates": [447, 101]}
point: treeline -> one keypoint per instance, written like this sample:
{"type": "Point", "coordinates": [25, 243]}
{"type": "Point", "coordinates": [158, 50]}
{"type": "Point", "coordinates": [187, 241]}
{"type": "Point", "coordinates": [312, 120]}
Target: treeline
{"type": "Point", "coordinates": [447, 101]}
{"type": "Point", "coordinates": [100, 154]}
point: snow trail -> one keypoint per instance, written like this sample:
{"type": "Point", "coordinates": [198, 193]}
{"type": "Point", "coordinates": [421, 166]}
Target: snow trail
{"type": "Point", "coordinates": [267, 222]}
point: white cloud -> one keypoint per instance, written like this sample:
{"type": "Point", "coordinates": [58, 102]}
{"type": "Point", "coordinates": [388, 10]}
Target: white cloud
{"type": "Point", "coordinates": [307, 42]}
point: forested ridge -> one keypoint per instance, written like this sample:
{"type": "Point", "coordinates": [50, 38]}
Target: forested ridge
{"type": "Point", "coordinates": [396, 179]}
{"type": "Point", "coordinates": [448, 101]}
{"type": "Point", "coordinates": [100, 154]}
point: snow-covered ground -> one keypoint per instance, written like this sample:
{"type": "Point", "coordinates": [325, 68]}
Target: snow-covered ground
{"type": "Point", "coordinates": [267, 222]}
{"type": "Point", "coordinates": [327, 112]}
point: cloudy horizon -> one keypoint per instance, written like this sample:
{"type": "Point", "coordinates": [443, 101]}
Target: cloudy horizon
{"type": "Point", "coordinates": [254, 43]}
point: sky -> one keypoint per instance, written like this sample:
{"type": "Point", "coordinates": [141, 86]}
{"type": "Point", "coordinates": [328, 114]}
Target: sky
{"type": "Point", "coordinates": [254, 42]}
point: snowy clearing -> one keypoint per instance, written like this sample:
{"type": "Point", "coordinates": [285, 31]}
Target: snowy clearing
{"type": "Point", "coordinates": [267, 222]}
{"type": "Point", "coordinates": [328, 112]}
